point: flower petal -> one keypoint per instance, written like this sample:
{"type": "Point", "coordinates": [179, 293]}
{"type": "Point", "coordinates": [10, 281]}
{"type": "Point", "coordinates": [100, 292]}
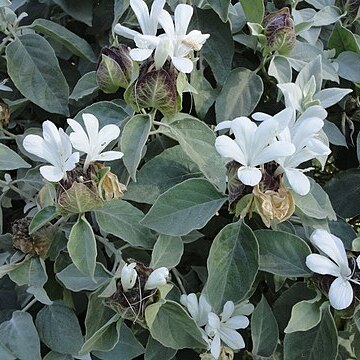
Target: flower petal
{"type": "Point", "coordinates": [322, 265]}
{"type": "Point", "coordinates": [223, 125]}
{"type": "Point", "coordinates": [340, 294]}
{"type": "Point", "coordinates": [166, 23]}
{"type": "Point", "coordinates": [92, 127]}
{"type": "Point", "coordinates": [333, 247]}
{"type": "Point", "coordinates": [229, 149]}
{"type": "Point", "coordinates": [156, 8]}
{"type": "Point", "coordinates": [215, 347]}
{"type": "Point", "coordinates": [142, 13]}
{"type": "Point", "coordinates": [231, 338]}
{"type": "Point", "coordinates": [204, 309]}
{"type": "Point", "coordinates": [182, 17]}
{"type": "Point", "coordinates": [274, 151]}
{"type": "Point", "coordinates": [140, 54]}
{"type": "Point", "coordinates": [184, 65]}
{"type": "Point", "coordinates": [107, 134]}
{"type": "Point", "coordinates": [71, 162]}
{"type": "Point", "coordinates": [298, 181]}
{"type": "Point", "coordinates": [213, 321]}
{"type": "Point", "coordinates": [227, 311]}
{"type": "Point", "coordinates": [237, 322]}
{"type": "Point", "coordinates": [162, 52]}
{"type": "Point", "coordinates": [108, 156]}
{"type": "Point", "coordinates": [244, 130]}
{"type": "Point", "coordinates": [249, 175]}
{"type": "Point", "coordinates": [125, 32]}
{"type": "Point", "coordinates": [78, 138]}
{"type": "Point", "coordinates": [52, 173]}
{"type": "Point", "coordinates": [35, 144]}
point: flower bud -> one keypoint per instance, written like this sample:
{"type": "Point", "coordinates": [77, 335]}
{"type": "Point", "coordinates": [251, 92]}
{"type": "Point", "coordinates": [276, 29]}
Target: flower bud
{"type": "Point", "coordinates": [279, 31]}
{"type": "Point", "coordinates": [157, 278]}
{"type": "Point", "coordinates": [155, 89]}
{"type": "Point", "coordinates": [114, 69]}
{"type": "Point", "coordinates": [128, 276]}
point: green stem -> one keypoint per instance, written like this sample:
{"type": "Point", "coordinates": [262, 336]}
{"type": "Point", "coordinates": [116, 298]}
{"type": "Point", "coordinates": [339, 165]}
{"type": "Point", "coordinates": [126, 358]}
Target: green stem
{"type": "Point", "coordinates": [178, 279]}
{"type": "Point", "coordinates": [29, 305]}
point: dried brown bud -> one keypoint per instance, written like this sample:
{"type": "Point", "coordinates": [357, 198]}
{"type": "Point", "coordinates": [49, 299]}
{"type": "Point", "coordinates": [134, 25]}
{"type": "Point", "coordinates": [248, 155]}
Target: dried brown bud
{"type": "Point", "coordinates": [37, 243]}
{"type": "Point", "coordinates": [272, 205]}
{"type": "Point", "coordinates": [109, 186]}
{"type": "Point", "coordinates": [4, 113]}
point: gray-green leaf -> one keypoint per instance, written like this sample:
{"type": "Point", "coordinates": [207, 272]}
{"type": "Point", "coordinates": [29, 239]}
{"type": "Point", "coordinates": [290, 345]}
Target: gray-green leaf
{"type": "Point", "coordinates": [10, 160]}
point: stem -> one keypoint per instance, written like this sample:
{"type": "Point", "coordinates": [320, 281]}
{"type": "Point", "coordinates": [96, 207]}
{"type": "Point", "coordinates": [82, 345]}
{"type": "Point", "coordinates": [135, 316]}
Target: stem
{"type": "Point", "coordinates": [159, 123]}
{"type": "Point", "coordinates": [178, 279]}
{"type": "Point", "coordinates": [108, 245]}
{"type": "Point", "coordinates": [29, 305]}
{"type": "Point", "coordinates": [155, 132]}
{"type": "Point", "coordinates": [8, 133]}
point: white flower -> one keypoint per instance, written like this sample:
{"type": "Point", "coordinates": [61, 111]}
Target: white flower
{"type": "Point", "coordinates": [177, 44]}
{"type": "Point", "coordinates": [253, 145]}
{"type": "Point", "coordinates": [304, 134]}
{"type": "Point", "coordinates": [224, 328]}
{"type": "Point", "coordinates": [157, 278]}
{"type": "Point", "coordinates": [93, 142]}
{"type": "Point", "coordinates": [128, 276]}
{"type": "Point", "coordinates": [55, 148]}
{"type": "Point", "coordinates": [341, 291]}
{"type": "Point", "coordinates": [197, 308]}
{"type": "Point", "coordinates": [148, 24]}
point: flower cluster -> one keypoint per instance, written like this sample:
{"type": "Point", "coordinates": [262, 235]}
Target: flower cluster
{"type": "Point", "coordinates": [218, 330]}
{"type": "Point", "coordinates": [56, 147]}
{"type": "Point", "coordinates": [174, 43]}
{"type": "Point", "coordinates": [336, 264]}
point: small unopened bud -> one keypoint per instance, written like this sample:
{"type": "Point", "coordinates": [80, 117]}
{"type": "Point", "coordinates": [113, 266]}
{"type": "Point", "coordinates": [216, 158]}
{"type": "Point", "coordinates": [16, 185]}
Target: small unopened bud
{"type": "Point", "coordinates": [157, 278]}
{"type": "Point", "coordinates": [279, 31]}
{"type": "Point", "coordinates": [128, 276]}
{"type": "Point", "coordinates": [114, 69]}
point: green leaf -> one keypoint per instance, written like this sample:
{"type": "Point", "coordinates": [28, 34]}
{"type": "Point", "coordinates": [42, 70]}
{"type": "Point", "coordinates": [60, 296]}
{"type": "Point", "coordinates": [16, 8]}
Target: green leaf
{"type": "Point", "coordinates": [121, 219]}
{"type": "Point", "coordinates": [159, 174]}
{"type": "Point", "coordinates": [105, 338]}
{"type": "Point", "coordinates": [170, 325]}
{"type": "Point", "coordinates": [85, 86]}
{"type": "Point", "coordinates": [42, 217]}
{"type": "Point", "coordinates": [127, 348]}
{"type": "Point", "coordinates": [75, 280]}
{"type": "Point", "coordinates": [221, 7]}
{"type": "Point", "coordinates": [197, 141]}
{"type": "Point", "coordinates": [319, 343]}
{"type": "Point", "coordinates": [156, 351]}
{"type": "Point", "coordinates": [79, 10]}
{"type": "Point", "coordinates": [240, 94]}
{"type": "Point", "coordinates": [167, 251]}
{"type": "Point", "coordinates": [59, 328]}
{"type": "Point", "coordinates": [10, 160]}
{"type": "Point", "coordinates": [346, 203]}
{"type": "Point", "coordinates": [349, 63]}
{"type": "Point", "coordinates": [53, 355]}
{"type": "Point", "coordinates": [183, 208]}
{"type": "Point", "coordinates": [19, 337]}
{"type": "Point", "coordinates": [316, 204]}
{"type": "Point", "coordinates": [4, 3]}
{"type": "Point", "coordinates": [358, 147]}
{"type": "Point", "coordinates": [34, 69]}
{"type": "Point", "coordinates": [133, 139]}
{"type": "Point", "coordinates": [107, 112]}
{"type": "Point", "coordinates": [232, 265]}
{"type": "Point", "coordinates": [218, 51]}
{"type": "Point", "coordinates": [264, 330]}
{"type": "Point", "coordinates": [342, 39]}
{"type": "Point", "coordinates": [82, 247]}
{"type": "Point", "coordinates": [254, 10]}
{"type": "Point", "coordinates": [284, 303]}
{"type": "Point", "coordinates": [65, 37]}
{"type": "Point", "coordinates": [304, 316]}
{"type": "Point", "coordinates": [282, 253]}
